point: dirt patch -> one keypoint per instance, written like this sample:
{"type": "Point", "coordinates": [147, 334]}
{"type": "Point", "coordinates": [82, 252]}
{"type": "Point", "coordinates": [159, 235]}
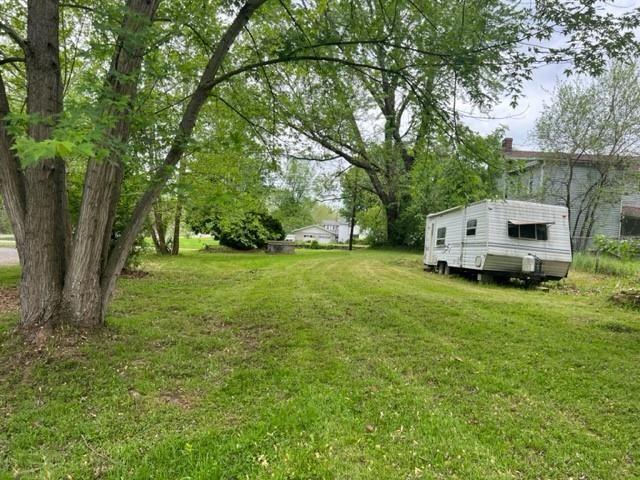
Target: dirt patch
{"type": "Point", "coordinates": [24, 349]}
{"type": "Point", "coordinates": [178, 399]}
{"type": "Point", "coordinates": [627, 298]}
{"type": "Point", "coordinates": [126, 273]}
{"type": "Point", "coordinates": [9, 300]}
{"type": "Point", "coordinates": [253, 336]}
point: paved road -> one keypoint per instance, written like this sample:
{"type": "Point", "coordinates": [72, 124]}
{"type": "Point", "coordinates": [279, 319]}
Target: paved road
{"type": "Point", "coordinates": [8, 256]}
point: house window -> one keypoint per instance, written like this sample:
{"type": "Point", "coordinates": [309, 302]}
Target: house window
{"type": "Point", "coordinates": [630, 226]}
{"type": "Point", "coordinates": [307, 235]}
{"type": "Point", "coordinates": [440, 236]}
{"type": "Point", "coordinates": [471, 227]}
{"type": "Point", "coordinates": [530, 231]}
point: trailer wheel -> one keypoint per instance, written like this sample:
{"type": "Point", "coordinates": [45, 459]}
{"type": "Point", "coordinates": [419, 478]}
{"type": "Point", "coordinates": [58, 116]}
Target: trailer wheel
{"type": "Point", "coordinates": [485, 278]}
{"type": "Point", "coordinates": [531, 282]}
{"type": "Point", "coordinates": [443, 268]}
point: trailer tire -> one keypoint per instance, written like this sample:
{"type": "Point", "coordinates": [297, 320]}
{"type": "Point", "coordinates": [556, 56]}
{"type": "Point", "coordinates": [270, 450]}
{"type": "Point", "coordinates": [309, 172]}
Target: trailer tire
{"type": "Point", "coordinates": [485, 278]}
{"type": "Point", "coordinates": [443, 268]}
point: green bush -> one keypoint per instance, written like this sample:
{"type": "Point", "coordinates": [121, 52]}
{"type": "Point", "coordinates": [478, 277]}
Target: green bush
{"type": "Point", "coordinates": [624, 249]}
{"type": "Point", "coordinates": [252, 230]}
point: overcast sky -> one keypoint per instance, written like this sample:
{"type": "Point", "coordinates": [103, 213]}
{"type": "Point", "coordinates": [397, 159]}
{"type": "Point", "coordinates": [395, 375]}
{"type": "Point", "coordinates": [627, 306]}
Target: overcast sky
{"type": "Point", "coordinates": [520, 121]}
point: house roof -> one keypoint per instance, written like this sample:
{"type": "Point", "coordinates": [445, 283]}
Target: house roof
{"type": "Point", "coordinates": [312, 226]}
{"type": "Point", "coordinates": [561, 157]}
{"type": "Point", "coordinates": [534, 158]}
{"type": "Point", "coordinates": [340, 221]}
{"type": "Point", "coordinates": [582, 158]}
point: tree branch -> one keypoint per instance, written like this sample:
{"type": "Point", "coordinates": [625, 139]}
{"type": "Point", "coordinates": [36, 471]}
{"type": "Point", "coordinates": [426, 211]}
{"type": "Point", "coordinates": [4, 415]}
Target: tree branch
{"type": "Point", "coordinates": [15, 36]}
{"type": "Point", "coordinates": [187, 123]}
{"type": "Point", "coordinates": [6, 60]}
{"type": "Point", "coordinates": [11, 177]}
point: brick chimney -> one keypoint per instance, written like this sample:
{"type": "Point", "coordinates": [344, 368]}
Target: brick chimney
{"type": "Point", "coordinates": [507, 145]}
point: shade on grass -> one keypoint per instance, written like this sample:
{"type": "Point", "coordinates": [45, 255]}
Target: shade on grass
{"type": "Point", "coordinates": [329, 365]}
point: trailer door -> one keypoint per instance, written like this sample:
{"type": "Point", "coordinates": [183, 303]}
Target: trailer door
{"type": "Point", "coordinates": [432, 244]}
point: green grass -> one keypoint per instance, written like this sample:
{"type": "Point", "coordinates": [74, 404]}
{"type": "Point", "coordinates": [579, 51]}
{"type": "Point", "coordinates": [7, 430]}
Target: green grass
{"type": "Point", "coordinates": [607, 265]}
{"type": "Point", "coordinates": [350, 365]}
{"type": "Point", "coordinates": [189, 243]}
{"type": "Point", "coordinates": [7, 241]}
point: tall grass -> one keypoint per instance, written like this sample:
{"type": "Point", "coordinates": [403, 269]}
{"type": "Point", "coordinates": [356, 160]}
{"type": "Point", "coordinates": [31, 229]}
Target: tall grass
{"type": "Point", "coordinates": [606, 264]}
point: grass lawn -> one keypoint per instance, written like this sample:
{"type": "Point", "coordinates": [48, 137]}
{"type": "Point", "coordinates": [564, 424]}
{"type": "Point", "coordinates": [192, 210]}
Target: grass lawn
{"type": "Point", "coordinates": [350, 365]}
{"type": "Point", "coordinates": [7, 241]}
{"type": "Point", "coordinates": [189, 243]}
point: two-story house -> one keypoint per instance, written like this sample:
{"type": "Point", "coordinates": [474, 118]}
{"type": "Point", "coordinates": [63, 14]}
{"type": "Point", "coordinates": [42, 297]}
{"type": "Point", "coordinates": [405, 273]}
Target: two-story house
{"type": "Point", "coordinates": [331, 231]}
{"type": "Point", "coordinates": [601, 192]}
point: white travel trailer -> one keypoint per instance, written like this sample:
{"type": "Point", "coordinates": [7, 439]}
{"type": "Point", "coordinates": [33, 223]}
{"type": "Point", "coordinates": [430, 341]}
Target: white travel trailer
{"type": "Point", "coordinates": [500, 239]}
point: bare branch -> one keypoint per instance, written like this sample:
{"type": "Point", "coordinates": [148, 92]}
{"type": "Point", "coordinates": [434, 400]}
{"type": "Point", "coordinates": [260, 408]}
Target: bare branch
{"type": "Point", "coordinates": [6, 60]}
{"type": "Point", "coordinates": [15, 36]}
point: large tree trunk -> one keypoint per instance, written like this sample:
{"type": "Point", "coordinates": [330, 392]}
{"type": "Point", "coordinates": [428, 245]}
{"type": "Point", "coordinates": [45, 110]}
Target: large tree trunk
{"type": "Point", "coordinates": [44, 249]}
{"type": "Point", "coordinates": [83, 295]}
{"type": "Point", "coordinates": [394, 232]}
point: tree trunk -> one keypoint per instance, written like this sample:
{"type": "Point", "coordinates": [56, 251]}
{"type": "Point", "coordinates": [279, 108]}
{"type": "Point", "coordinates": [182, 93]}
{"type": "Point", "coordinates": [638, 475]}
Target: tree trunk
{"type": "Point", "coordinates": [83, 295]}
{"type": "Point", "coordinates": [352, 224]}
{"type": "Point", "coordinates": [154, 236]}
{"type": "Point", "coordinates": [118, 256]}
{"type": "Point", "coordinates": [157, 224]}
{"type": "Point", "coordinates": [175, 246]}
{"type": "Point", "coordinates": [394, 230]}
{"type": "Point", "coordinates": [44, 249]}
{"type": "Point", "coordinates": [73, 279]}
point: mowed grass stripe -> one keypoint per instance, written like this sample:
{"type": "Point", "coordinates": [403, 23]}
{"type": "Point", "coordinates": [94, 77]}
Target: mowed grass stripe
{"type": "Point", "coordinates": [330, 365]}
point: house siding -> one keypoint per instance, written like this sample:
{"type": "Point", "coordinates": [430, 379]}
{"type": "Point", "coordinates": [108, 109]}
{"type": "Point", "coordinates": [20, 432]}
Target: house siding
{"type": "Point", "coordinates": [309, 234]}
{"type": "Point", "coordinates": [546, 182]}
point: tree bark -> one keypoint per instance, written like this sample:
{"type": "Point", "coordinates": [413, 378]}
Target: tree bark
{"type": "Point", "coordinates": [394, 230]}
{"type": "Point", "coordinates": [73, 278]}
{"type": "Point", "coordinates": [154, 236]}
{"type": "Point", "coordinates": [159, 228]}
{"type": "Point", "coordinates": [44, 250]}
{"type": "Point", "coordinates": [83, 296]}
{"type": "Point", "coordinates": [354, 199]}
{"type": "Point", "coordinates": [175, 246]}
{"type": "Point", "coordinates": [11, 176]}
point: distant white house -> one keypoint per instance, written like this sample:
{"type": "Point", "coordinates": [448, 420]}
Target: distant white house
{"type": "Point", "coordinates": [340, 228]}
{"type": "Point", "coordinates": [331, 231]}
{"type": "Point", "coordinates": [311, 233]}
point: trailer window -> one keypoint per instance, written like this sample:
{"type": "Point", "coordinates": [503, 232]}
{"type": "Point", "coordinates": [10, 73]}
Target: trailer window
{"type": "Point", "coordinates": [531, 231]}
{"type": "Point", "coordinates": [440, 236]}
{"type": "Point", "coordinates": [471, 227]}
{"type": "Point", "coordinates": [541, 231]}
